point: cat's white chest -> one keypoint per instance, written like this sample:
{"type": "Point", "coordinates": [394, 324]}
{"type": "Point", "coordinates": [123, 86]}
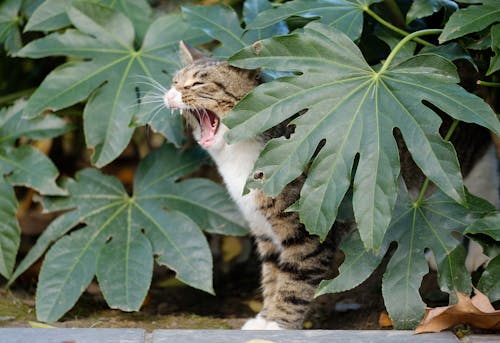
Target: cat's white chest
{"type": "Point", "coordinates": [235, 162]}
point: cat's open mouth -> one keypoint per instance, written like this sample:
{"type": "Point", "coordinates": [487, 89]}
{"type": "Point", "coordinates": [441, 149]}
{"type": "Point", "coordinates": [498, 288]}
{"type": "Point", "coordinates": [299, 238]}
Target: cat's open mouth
{"type": "Point", "coordinates": [209, 124]}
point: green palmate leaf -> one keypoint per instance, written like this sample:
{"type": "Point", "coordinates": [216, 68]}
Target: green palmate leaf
{"type": "Point", "coordinates": [107, 72]}
{"type": "Point", "coordinates": [153, 112]}
{"type": "Point", "coordinates": [222, 24]}
{"type": "Point", "coordinates": [351, 109]}
{"type": "Point", "coordinates": [52, 15]}
{"type": "Point", "coordinates": [451, 51]}
{"type": "Point", "coordinates": [425, 8]}
{"type": "Point", "coordinates": [10, 234]}
{"type": "Point", "coordinates": [489, 283]}
{"type": "Point", "coordinates": [123, 233]}
{"type": "Point", "coordinates": [10, 37]}
{"type": "Point", "coordinates": [495, 46]}
{"type": "Point", "coordinates": [416, 228]}
{"type": "Point", "coordinates": [471, 19]}
{"type": "Point", "coordinates": [26, 166]}
{"type": "Point", "coordinates": [22, 166]}
{"type": "Point", "coordinates": [345, 15]}
{"type": "Point", "coordinates": [251, 8]}
{"type": "Point", "coordinates": [453, 276]}
{"type": "Point", "coordinates": [217, 21]}
{"type": "Point", "coordinates": [57, 228]}
{"type": "Point", "coordinates": [67, 270]}
{"type": "Point", "coordinates": [489, 225]}
{"type": "Point", "coordinates": [358, 265]}
{"type": "Point", "coordinates": [13, 125]}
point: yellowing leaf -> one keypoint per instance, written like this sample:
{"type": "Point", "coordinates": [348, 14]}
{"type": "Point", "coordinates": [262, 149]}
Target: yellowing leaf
{"type": "Point", "coordinates": [38, 325]}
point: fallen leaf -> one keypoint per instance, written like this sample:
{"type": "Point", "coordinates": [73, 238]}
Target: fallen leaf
{"type": "Point", "coordinates": [384, 321]}
{"type": "Point", "coordinates": [38, 325]}
{"type": "Point", "coordinates": [476, 311]}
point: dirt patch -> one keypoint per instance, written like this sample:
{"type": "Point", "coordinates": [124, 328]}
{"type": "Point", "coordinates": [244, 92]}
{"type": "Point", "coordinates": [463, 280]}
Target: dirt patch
{"type": "Point", "coordinates": [176, 306]}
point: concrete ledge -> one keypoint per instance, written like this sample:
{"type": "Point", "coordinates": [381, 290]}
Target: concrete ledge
{"type": "Point", "coordinates": [299, 336]}
{"type": "Point", "coordinates": [72, 336]}
{"type": "Point", "coordinates": [229, 336]}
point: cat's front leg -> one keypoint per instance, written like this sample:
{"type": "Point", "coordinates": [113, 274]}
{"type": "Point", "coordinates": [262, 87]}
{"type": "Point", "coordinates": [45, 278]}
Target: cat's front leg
{"type": "Point", "coordinates": [269, 277]}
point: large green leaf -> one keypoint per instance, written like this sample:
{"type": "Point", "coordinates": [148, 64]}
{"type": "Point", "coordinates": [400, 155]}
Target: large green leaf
{"type": "Point", "coordinates": [106, 72]}
{"type": "Point", "coordinates": [10, 37]}
{"type": "Point", "coordinates": [471, 19]}
{"type": "Point", "coordinates": [345, 15]}
{"type": "Point", "coordinates": [425, 8]}
{"type": "Point", "coordinates": [495, 46]}
{"type": "Point", "coordinates": [358, 265]}
{"type": "Point", "coordinates": [352, 109]}
{"type": "Point", "coordinates": [52, 15]}
{"type": "Point", "coordinates": [222, 24]}
{"type": "Point", "coordinates": [489, 283]}
{"type": "Point", "coordinates": [416, 228]}
{"type": "Point", "coordinates": [25, 165]}
{"type": "Point", "coordinates": [13, 125]}
{"type": "Point", "coordinates": [122, 233]}
{"type": "Point", "coordinates": [22, 166]}
{"type": "Point", "coordinates": [10, 234]}
{"type": "Point", "coordinates": [489, 225]}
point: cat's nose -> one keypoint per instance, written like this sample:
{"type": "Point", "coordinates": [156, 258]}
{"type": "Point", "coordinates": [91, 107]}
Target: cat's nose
{"type": "Point", "coordinates": [169, 99]}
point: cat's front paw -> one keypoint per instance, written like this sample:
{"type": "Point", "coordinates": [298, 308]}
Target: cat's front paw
{"type": "Point", "coordinates": [257, 323]}
{"type": "Point", "coordinates": [273, 326]}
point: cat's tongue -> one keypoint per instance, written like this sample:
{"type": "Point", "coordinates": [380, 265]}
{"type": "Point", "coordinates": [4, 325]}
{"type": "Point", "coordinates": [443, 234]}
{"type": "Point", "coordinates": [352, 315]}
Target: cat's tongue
{"type": "Point", "coordinates": [209, 124]}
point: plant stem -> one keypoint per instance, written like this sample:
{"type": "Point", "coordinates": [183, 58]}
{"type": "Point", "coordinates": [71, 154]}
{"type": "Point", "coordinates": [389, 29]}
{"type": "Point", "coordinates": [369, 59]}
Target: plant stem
{"type": "Point", "coordinates": [425, 186]}
{"type": "Point", "coordinates": [14, 96]}
{"type": "Point", "coordinates": [394, 28]}
{"type": "Point", "coordinates": [488, 83]}
{"type": "Point", "coordinates": [403, 42]}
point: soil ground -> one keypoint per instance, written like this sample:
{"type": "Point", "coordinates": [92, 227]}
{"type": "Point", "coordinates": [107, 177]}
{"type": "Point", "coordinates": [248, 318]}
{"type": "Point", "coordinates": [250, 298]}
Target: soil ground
{"type": "Point", "coordinates": [171, 305]}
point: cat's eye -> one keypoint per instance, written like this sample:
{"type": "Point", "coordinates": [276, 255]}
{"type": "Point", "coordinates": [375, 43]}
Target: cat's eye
{"type": "Point", "coordinates": [197, 84]}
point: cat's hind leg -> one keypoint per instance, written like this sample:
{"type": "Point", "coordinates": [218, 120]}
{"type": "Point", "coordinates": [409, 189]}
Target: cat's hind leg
{"type": "Point", "coordinates": [304, 262]}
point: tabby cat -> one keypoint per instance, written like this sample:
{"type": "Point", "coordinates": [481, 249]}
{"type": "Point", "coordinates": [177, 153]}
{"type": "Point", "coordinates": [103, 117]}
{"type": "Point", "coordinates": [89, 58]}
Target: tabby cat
{"type": "Point", "coordinates": [293, 262]}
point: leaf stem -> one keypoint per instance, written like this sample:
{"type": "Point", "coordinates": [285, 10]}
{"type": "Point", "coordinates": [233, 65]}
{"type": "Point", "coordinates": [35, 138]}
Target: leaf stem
{"type": "Point", "coordinates": [425, 186]}
{"type": "Point", "coordinates": [488, 83]}
{"type": "Point", "coordinates": [402, 42]}
{"type": "Point", "coordinates": [394, 28]}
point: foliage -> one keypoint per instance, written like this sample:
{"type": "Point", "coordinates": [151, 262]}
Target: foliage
{"type": "Point", "coordinates": [343, 66]}
{"type": "Point", "coordinates": [122, 233]}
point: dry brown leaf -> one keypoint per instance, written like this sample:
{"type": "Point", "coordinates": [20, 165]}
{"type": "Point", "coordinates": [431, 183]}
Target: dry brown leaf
{"type": "Point", "coordinates": [476, 311]}
{"type": "Point", "coordinates": [384, 321]}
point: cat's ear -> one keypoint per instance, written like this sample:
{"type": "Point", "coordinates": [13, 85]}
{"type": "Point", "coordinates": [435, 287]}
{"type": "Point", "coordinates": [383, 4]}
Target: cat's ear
{"type": "Point", "coordinates": [189, 54]}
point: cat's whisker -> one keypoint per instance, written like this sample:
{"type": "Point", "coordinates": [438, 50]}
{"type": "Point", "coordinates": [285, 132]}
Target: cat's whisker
{"type": "Point", "coordinates": [156, 111]}
{"type": "Point", "coordinates": [151, 82]}
{"type": "Point", "coordinates": [157, 87]}
{"type": "Point", "coordinates": [152, 101]}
